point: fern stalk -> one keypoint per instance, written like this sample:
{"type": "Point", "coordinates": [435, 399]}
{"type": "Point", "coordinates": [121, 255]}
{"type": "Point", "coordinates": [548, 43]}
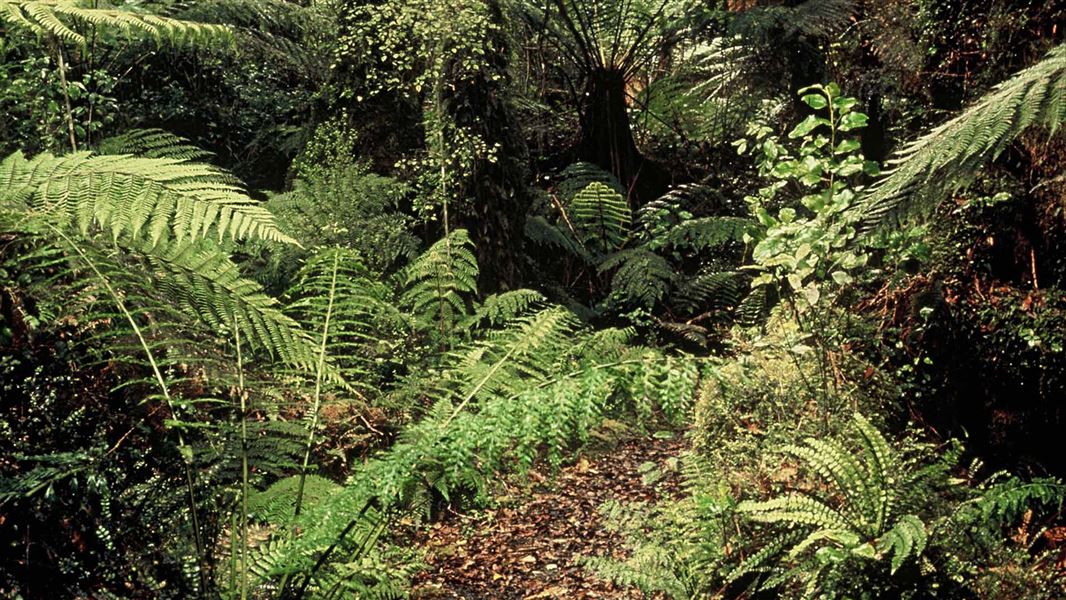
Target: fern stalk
{"type": "Point", "coordinates": [318, 386]}
{"type": "Point", "coordinates": [186, 450]}
{"type": "Point", "coordinates": [65, 86]}
{"type": "Point", "coordinates": [244, 462]}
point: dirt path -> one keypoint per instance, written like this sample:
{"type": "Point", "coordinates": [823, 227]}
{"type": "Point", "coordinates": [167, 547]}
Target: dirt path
{"type": "Point", "coordinates": [530, 547]}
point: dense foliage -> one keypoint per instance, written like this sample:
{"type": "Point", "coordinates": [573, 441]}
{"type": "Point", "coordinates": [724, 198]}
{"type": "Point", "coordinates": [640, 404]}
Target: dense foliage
{"type": "Point", "coordinates": [281, 282]}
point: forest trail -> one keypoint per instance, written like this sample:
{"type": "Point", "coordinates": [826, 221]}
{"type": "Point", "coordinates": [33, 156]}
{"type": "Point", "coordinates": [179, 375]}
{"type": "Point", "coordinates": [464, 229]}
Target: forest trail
{"type": "Point", "coordinates": [530, 547]}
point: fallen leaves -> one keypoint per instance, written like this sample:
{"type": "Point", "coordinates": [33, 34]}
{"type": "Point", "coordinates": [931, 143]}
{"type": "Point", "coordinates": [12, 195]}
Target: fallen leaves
{"type": "Point", "coordinates": [529, 548]}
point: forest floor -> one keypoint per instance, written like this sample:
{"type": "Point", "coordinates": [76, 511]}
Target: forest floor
{"type": "Point", "coordinates": [530, 545]}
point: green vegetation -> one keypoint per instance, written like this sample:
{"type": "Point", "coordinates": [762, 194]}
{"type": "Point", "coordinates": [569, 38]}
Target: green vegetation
{"type": "Point", "coordinates": [284, 283]}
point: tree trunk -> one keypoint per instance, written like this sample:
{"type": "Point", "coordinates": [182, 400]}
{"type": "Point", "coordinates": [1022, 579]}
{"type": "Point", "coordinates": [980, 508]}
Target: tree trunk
{"type": "Point", "coordinates": [499, 188]}
{"type": "Point", "coordinates": [607, 139]}
{"type": "Point", "coordinates": [606, 134]}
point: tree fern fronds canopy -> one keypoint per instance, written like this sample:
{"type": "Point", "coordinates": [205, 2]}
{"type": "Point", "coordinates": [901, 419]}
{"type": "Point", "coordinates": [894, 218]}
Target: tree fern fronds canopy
{"type": "Point", "coordinates": [64, 18]}
{"type": "Point", "coordinates": [1034, 97]}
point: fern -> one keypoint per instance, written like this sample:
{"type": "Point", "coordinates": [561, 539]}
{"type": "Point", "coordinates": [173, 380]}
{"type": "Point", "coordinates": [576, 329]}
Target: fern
{"type": "Point", "coordinates": [602, 217]}
{"type": "Point", "coordinates": [156, 198]}
{"type": "Point", "coordinates": [715, 290]}
{"type": "Point", "coordinates": [275, 505]}
{"type": "Point", "coordinates": [153, 143]}
{"type": "Point", "coordinates": [579, 176]}
{"type": "Point", "coordinates": [708, 232]}
{"type": "Point", "coordinates": [63, 18]}
{"type": "Point", "coordinates": [640, 278]}
{"type": "Point", "coordinates": [362, 315]}
{"type": "Point", "coordinates": [440, 282]}
{"type": "Point", "coordinates": [500, 308]}
{"type": "Point", "coordinates": [866, 523]}
{"type": "Point", "coordinates": [1035, 97]}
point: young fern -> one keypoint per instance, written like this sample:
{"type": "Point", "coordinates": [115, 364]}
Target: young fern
{"type": "Point", "coordinates": [601, 217]}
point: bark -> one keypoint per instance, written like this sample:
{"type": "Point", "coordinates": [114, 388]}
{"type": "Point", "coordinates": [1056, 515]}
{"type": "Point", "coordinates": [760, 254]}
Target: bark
{"type": "Point", "coordinates": [607, 137]}
{"type": "Point", "coordinates": [499, 189]}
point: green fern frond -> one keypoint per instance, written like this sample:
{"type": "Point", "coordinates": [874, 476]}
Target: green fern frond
{"type": "Point", "coordinates": [63, 18]}
{"type": "Point", "coordinates": [441, 281]}
{"type": "Point", "coordinates": [539, 231]}
{"type": "Point", "coordinates": [602, 218]}
{"type": "Point", "coordinates": [716, 290]}
{"type": "Point", "coordinates": [795, 508]}
{"type": "Point", "coordinates": [753, 307]}
{"type": "Point", "coordinates": [1005, 502]}
{"type": "Point", "coordinates": [640, 278]}
{"type": "Point", "coordinates": [906, 539]}
{"type": "Point", "coordinates": [944, 159]}
{"type": "Point", "coordinates": [275, 504]}
{"type": "Point", "coordinates": [500, 308]}
{"type": "Point", "coordinates": [362, 316]}
{"type": "Point", "coordinates": [580, 175]}
{"type": "Point", "coordinates": [203, 280]}
{"type": "Point", "coordinates": [153, 143]}
{"type": "Point", "coordinates": [156, 198]}
{"type": "Point", "coordinates": [708, 232]}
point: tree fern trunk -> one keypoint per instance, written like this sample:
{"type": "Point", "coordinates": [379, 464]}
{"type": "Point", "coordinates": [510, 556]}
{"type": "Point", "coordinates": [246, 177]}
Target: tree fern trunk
{"type": "Point", "coordinates": [606, 133]}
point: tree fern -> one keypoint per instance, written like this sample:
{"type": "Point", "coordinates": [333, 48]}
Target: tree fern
{"type": "Point", "coordinates": [943, 159]}
{"type": "Point", "coordinates": [63, 18]}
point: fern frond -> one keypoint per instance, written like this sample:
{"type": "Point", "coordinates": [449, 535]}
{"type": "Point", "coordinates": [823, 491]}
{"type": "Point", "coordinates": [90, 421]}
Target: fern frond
{"type": "Point", "coordinates": [709, 291]}
{"type": "Point", "coordinates": [602, 217]}
{"type": "Point", "coordinates": [63, 18]}
{"type": "Point", "coordinates": [203, 280]}
{"type": "Point", "coordinates": [944, 159]}
{"type": "Point", "coordinates": [500, 308]}
{"type": "Point", "coordinates": [153, 143]}
{"type": "Point", "coordinates": [156, 198]}
{"type": "Point", "coordinates": [795, 508]}
{"type": "Point", "coordinates": [907, 538]}
{"type": "Point", "coordinates": [275, 504]}
{"type": "Point", "coordinates": [640, 277]}
{"type": "Point", "coordinates": [539, 231]}
{"type": "Point", "coordinates": [334, 282]}
{"type": "Point", "coordinates": [441, 281]}
{"type": "Point", "coordinates": [580, 175]}
{"type": "Point", "coordinates": [708, 232]}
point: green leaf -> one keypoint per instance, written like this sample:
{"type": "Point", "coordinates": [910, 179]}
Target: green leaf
{"type": "Point", "coordinates": [815, 101]}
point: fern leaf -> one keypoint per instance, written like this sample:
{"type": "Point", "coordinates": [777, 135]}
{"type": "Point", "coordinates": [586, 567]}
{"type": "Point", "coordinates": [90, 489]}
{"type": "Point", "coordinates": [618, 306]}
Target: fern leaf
{"type": "Point", "coordinates": [441, 280]}
{"type": "Point", "coordinates": [153, 143]}
{"type": "Point", "coordinates": [153, 197]}
{"type": "Point", "coordinates": [500, 308]}
{"type": "Point", "coordinates": [59, 18]}
{"type": "Point", "coordinates": [795, 508]}
{"type": "Point", "coordinates": [951, 152]}
{"type": "Point", "coordinates": [602, 217]}
{"type": "Point", "coordinates": [640, 277]}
